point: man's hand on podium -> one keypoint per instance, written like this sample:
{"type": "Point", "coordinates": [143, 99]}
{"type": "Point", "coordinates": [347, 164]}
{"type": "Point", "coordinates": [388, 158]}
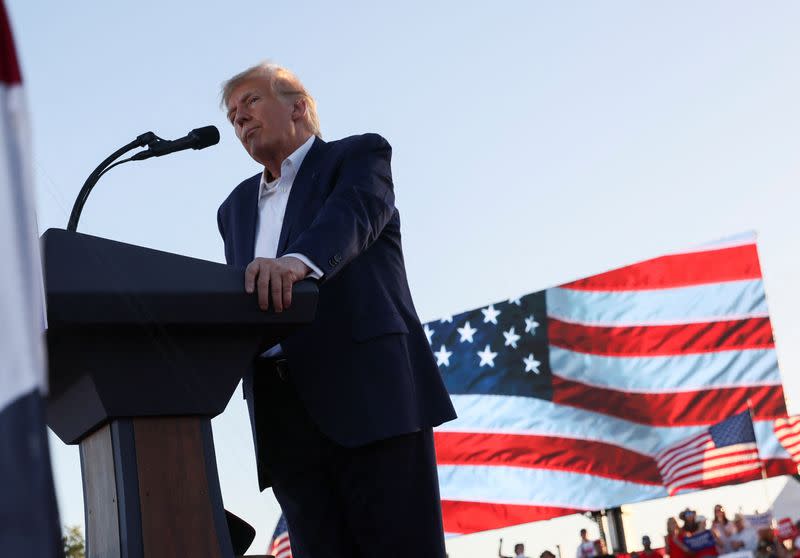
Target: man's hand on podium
{"type": "Point", "coordinates": [274, 276]}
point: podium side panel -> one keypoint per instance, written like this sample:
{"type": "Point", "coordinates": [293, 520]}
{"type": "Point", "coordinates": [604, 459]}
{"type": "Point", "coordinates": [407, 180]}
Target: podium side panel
{"type": "Point", "coordinates": [100, 495]}
{"type": "Point", "coordinates": [214, 492]}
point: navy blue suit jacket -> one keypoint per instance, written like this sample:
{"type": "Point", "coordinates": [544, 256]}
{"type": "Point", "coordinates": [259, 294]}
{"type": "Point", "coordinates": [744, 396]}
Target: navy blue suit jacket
{"type": "Point", "coordinates": [364, 368]}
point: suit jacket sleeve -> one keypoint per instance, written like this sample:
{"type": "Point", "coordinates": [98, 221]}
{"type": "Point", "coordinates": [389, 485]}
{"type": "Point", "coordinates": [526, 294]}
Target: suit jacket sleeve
{"type": "Point", "coordinates": [356, 211]}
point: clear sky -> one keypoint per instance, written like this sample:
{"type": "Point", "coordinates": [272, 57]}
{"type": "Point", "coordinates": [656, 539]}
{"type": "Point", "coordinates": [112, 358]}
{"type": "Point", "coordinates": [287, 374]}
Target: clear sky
{"type": "Point", "coordinates": [534, 143]}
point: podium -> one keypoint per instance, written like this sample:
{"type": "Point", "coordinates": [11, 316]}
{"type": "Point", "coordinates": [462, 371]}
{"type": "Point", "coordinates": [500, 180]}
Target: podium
{"type": "Point", "coordinates": [145, 347]}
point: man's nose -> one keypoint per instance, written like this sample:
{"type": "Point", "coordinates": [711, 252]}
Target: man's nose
{"type": "Point", "coordinates": [241, 117]}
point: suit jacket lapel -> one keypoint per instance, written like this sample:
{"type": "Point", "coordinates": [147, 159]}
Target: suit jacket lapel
{"type": "Point", "coordinates": [301, 193]}
{"type": "Point", "coordinates": [250, 218]}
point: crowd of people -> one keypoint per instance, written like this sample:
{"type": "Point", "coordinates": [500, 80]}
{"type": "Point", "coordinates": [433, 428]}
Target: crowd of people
{"type": "Point", "coordinates": [729, 535]}
{"type": "Point", "coordinates": [694, 536]}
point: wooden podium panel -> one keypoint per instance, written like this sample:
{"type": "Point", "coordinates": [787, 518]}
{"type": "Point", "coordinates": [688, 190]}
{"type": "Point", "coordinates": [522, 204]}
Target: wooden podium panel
{"type": "Point", "coordinates": [177, 516]}
{"type": "Point", "coordinates": [151, 490]}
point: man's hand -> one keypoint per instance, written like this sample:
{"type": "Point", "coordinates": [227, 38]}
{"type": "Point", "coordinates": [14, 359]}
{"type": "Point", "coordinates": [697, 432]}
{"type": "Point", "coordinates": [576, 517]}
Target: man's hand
{"type": "Point", "coordinates": [274, 276]}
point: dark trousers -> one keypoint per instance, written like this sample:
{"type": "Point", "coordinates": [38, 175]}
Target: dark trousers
{"type": "Point", "coordinates": [379, 500]}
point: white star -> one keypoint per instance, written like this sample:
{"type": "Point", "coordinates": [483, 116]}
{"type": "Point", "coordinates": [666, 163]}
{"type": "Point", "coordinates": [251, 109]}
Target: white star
{"type": "Point", "coordinates": [448, 319]}
{"type": "Point", "coordinates": [466, 332]}
{"type": "Point", "coordinates": [516, 301]}
{"type": "Point", "coordinates": [531, 325]}
{"type": "Point", "coordinates": [511, 338]}
{"type": "Point", "coordinates": [443, 356]}
{"type": "Point", "coordinates": [490, 314]}
{"type": "Point", "coordinates": [531, 364]}
{"type": "Point", "coordinates": [428, 333]}
{"type": "Point", "coordinates": [487, 356]}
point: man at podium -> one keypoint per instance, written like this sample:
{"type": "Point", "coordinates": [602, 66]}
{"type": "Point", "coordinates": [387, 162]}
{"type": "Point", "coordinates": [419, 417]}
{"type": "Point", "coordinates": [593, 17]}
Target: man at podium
{"type": "Point", "coordinates": [342, 412]}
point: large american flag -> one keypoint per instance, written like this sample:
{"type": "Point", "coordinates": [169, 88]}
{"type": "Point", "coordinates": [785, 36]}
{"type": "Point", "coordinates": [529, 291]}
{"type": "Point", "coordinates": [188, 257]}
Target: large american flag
{"type": "Point", "coordinates": [725, 453]}
{"type": "Point", "coordinates": [565, 396]}
{"type": "Point", "coordinates": [279, 546]}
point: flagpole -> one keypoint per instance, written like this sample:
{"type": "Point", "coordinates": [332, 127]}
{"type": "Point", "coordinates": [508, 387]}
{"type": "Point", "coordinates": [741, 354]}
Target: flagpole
{"type": "Point", "coordinates": [760, 461]}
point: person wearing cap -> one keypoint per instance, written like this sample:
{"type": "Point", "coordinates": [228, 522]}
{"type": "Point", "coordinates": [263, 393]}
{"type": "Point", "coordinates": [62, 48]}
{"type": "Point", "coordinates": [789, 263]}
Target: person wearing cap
{"type": "Point", "coordinates": [690, 525]}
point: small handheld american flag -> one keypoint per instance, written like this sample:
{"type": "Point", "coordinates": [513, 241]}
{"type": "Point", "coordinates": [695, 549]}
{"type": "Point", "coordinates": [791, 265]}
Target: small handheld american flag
{"type": "Point", "coordinates": [725, 452]}
{"type": "Point", "coordinates": [279, 546]}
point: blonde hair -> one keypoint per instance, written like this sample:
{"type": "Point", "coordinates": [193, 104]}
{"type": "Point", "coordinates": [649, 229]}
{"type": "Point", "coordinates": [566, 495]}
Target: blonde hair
{"type": "Point", "coordinates": [285, 85]}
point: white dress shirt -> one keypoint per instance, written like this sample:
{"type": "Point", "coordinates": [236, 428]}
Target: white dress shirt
{"type": "Point", "coordinates": [272, 199]}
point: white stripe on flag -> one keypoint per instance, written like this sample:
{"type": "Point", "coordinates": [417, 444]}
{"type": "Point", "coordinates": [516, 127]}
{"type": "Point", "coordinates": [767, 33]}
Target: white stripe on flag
{"type": "Point", "coordinates": [664, 374]}
{"type": "Point", "coordinates": [703, 303]}
{"type": "Point", "coordinates": [22, 365]}
{"type": "Point", "coordinates": [541, 487]}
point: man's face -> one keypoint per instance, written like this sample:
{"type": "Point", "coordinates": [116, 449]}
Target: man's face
{"type": "Point", "coordinates": [262, 122]}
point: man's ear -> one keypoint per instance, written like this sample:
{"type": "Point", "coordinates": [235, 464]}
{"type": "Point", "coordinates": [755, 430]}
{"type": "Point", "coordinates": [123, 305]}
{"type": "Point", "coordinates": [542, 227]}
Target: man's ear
{"type": "Point", "coordinates": [299, 109]}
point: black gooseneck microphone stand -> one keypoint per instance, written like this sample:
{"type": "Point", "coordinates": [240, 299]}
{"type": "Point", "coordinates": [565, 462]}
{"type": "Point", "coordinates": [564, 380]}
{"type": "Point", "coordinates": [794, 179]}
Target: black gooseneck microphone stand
{"type": "Point", "coordinates": [199, 138]}
{"type": "Point", "coordinates": [146, 139]}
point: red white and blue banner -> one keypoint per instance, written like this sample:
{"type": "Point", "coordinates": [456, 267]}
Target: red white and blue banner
{"type": "Point", "coordinates": [700, 541]}
{"type": "Point", "coordinates": [29, 523]}
{"type": "Point", "coordinates": [566, 396]}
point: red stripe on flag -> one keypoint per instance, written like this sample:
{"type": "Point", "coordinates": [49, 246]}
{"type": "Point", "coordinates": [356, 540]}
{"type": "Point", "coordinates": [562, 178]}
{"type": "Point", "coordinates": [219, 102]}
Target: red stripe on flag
{"type": "Point", "coordinates": [662, 340]}
{"type": "Point", "coordinates": [9, 67]}
{"type": "Point", "coordinates": [678, 270]}
{"type": "Point", "coordinates": [777, 467]}
{"type": "Point", "coordinates": [686, 408]}
{"type": "Point", "coordinates": [546, 452]}
{"type": "Point", "coordinates": [470, 517]}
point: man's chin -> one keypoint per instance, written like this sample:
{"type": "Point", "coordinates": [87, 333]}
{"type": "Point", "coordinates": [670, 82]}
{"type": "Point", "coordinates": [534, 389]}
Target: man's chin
{"type": "Point", "coordinates": [258, 154]}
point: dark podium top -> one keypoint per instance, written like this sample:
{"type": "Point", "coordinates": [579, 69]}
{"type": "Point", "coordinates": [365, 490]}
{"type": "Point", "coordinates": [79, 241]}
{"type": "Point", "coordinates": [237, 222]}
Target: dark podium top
{"type": "Point", "coordinates": [139, 332]}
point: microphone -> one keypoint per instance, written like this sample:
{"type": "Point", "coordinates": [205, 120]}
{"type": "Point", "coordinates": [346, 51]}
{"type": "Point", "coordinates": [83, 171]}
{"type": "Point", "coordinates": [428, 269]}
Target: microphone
{"type": "Point", "coordinates": [196, 139]}
{"type": "Point", "coordinates": [199, 138]}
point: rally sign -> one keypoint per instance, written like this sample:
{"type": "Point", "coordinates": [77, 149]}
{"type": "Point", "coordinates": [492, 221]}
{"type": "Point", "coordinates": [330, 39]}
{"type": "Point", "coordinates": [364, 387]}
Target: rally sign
{"type": "Point", "coordinates": [759, 521]}
{"type": "Point", "coordinates": [700, 541]}
{"type": "Point", "coordinates": [786, 529]}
